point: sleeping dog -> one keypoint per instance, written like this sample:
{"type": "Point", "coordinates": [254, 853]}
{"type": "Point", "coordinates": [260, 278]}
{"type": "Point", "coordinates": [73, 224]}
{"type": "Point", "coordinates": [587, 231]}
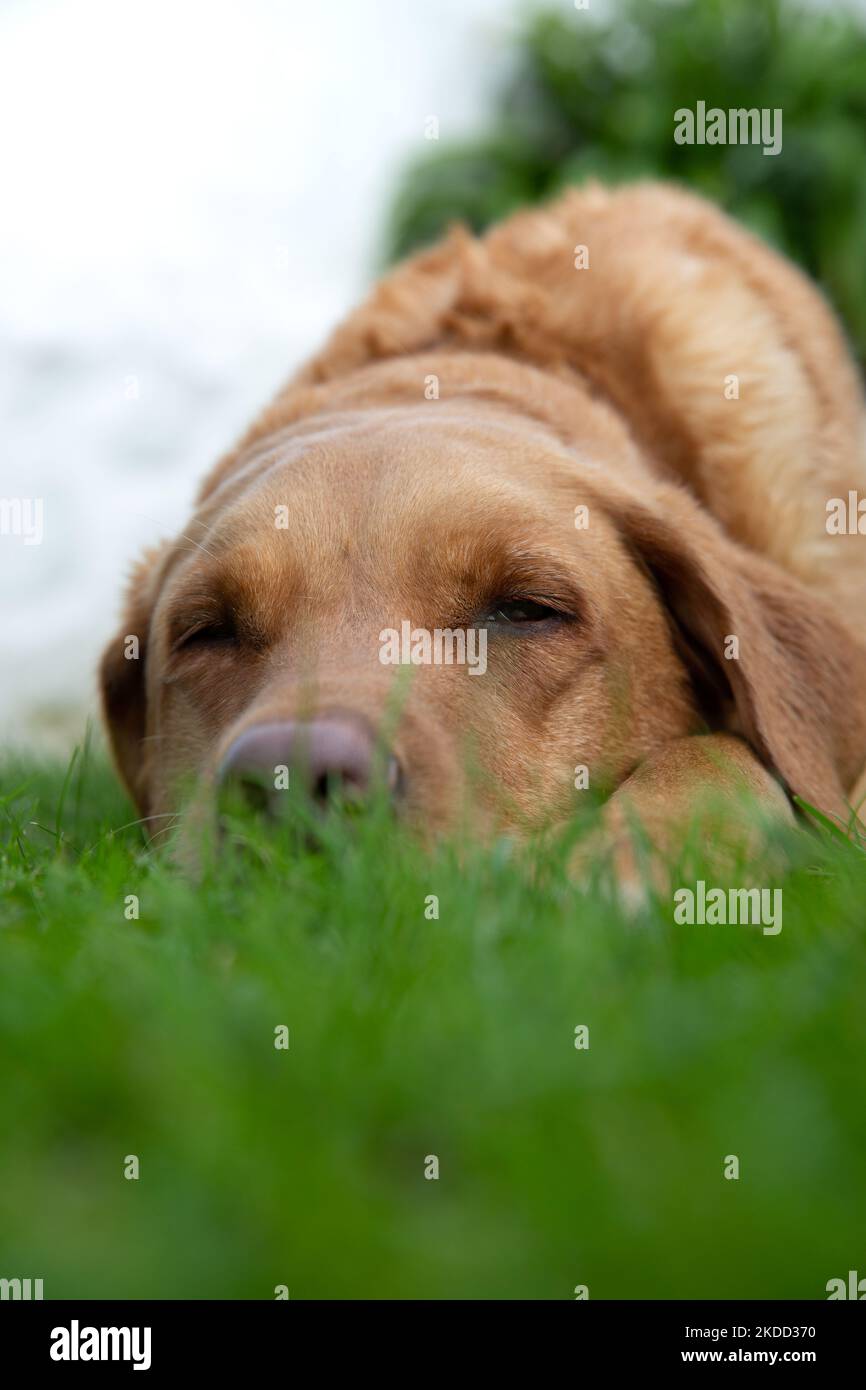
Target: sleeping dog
{"type": "Point", "coordinates": [605, 438]}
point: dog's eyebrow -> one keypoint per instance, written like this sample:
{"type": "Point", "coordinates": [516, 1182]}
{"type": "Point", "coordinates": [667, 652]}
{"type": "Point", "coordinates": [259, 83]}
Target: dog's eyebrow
{"type": "Point", "coordinates": [524, 569]}
{"type": "Point", "coordinates": [496, 571]}
{"type": "Point", "coordinates": [195, 604]}
{"type": "Point", "coordinates": [238, 581]}
{"type": "Point", "coordinates": [496, 560]}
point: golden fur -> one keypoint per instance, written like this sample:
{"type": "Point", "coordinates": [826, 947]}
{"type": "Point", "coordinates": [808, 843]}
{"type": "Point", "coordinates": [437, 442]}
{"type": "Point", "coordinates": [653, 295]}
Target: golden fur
{"type": "Point", "coordinates": [602, 387]}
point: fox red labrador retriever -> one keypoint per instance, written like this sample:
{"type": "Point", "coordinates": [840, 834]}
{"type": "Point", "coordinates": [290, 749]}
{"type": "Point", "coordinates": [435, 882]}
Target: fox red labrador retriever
{"type": "Point", "coordinates": [609, 442]}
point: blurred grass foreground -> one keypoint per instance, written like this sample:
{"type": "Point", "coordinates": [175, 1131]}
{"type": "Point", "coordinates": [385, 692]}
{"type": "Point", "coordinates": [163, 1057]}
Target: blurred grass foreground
{"type": "Point", "coordinates": [593, 93]}
{"type": "Point", "coordinates": [286, 1048]}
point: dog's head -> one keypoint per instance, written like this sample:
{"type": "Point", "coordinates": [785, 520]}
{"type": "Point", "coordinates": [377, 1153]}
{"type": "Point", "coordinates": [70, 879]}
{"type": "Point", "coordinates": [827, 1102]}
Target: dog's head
{"type": "Point", "coordinates": [446, 596]}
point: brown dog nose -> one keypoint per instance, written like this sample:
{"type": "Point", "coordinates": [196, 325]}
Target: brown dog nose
{"type": "Point", "coordinates": [331, 756]}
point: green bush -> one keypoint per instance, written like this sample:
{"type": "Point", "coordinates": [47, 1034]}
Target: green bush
{"type": "Point", "coordinates": [590, 96]}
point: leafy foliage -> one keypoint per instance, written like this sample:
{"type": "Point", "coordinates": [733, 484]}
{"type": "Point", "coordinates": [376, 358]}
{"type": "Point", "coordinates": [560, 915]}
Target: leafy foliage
{"type": "Point", "coordinates": [590, 96]}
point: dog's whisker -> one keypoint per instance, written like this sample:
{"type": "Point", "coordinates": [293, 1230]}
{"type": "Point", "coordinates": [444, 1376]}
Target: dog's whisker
{"type": "Point", "coordinates": [202, 548]}
{"type": "Point", "coordinates": [183, 534]}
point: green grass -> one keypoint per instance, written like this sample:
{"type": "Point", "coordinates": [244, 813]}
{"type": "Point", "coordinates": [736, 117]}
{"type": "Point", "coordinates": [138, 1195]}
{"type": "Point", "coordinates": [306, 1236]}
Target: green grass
{"type": "Point", "coordinates": [411, 1037]}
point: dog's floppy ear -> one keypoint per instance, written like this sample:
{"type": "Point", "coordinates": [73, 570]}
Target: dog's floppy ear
{"type": "Point", "coordinates": [122, 677]}
{"type": "Point", "coordinates": [787, 674]}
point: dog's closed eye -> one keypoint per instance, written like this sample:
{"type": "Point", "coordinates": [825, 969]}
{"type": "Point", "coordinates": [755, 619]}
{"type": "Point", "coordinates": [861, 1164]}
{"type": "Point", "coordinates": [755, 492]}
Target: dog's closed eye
{"type": "Point", "coordinates": [205, 634]}
{"type": "Point", "coordinates": [209, 626]}
{"type": "Point", "coordinates": [523, 612]}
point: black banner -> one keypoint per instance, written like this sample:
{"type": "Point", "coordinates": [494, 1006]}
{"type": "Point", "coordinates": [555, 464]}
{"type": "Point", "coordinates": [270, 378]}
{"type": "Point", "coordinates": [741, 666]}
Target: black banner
{"type": "Point", "coordinates": [155, 1338]}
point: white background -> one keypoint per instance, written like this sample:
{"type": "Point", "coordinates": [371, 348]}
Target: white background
{"type": "Point", "coordinates": [191, 195]}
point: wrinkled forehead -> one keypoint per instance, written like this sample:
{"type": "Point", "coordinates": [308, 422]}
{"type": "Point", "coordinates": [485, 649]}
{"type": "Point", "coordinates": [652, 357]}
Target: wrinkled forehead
{"type": "Point", "coordinates": [431, 464]}
{"type": "Point", "coordinates": [391, 493]}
